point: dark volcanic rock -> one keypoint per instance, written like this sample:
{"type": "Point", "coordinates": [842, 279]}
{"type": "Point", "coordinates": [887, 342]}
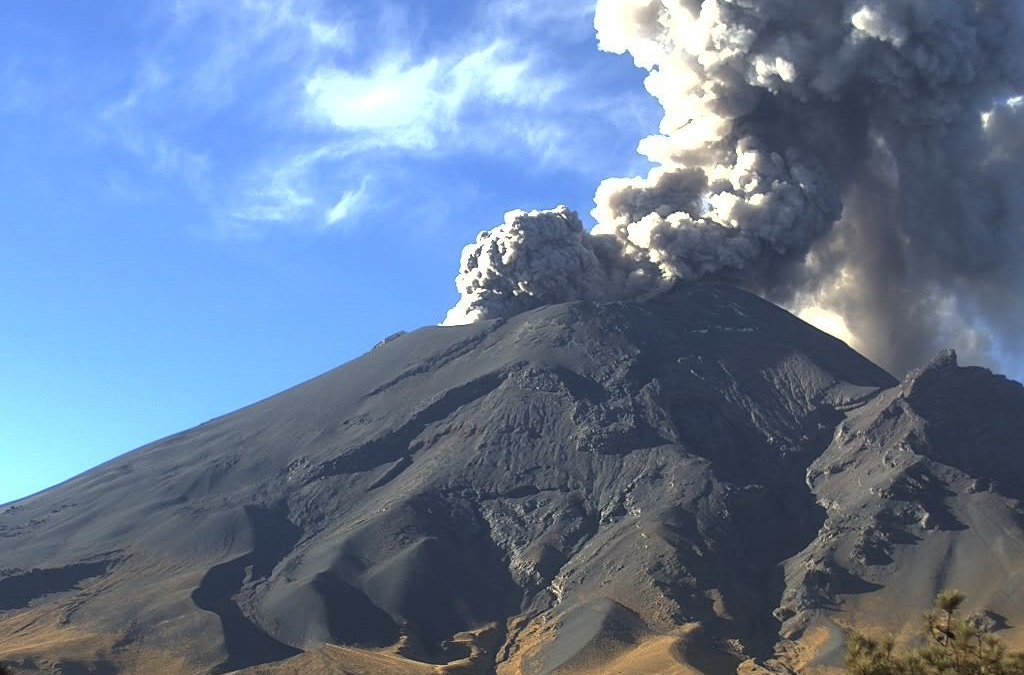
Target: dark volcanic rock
{"type": "Point", "coordinates": [580, 477]}
{"type": "Point", "coordinates": [921, 487]}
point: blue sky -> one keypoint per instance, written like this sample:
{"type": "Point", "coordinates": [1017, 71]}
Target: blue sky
{"type": "Point", "coordinates": [208, 202]}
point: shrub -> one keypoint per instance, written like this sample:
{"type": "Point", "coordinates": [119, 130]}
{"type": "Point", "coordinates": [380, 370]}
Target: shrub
{"type": "Point", "coordinates": [955, 646]}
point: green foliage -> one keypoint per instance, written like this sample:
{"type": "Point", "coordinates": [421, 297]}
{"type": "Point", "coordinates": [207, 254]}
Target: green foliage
{"type": "Point", "coordinates": [949, 601]}
{"type": "Point", "coordinates": [956, 646]}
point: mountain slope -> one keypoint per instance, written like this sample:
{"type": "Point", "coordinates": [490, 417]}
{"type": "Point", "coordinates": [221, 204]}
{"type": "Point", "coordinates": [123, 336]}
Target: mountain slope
{"type": "Point", "coordinates": [577, 486]}
{"type": "Point", "coordinates": [922, 488]}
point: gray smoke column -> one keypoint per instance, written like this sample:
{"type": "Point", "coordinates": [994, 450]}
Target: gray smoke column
{"type": "Point", "coordinates": [860, 157]}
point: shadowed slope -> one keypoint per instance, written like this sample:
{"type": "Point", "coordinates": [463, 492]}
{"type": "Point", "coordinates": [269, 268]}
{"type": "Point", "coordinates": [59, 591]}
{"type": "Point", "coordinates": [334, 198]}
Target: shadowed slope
{"type": "Point", "coordinates": [583, 481]}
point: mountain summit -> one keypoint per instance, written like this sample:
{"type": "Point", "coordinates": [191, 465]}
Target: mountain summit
{"type": "Point", "coordinates": [696, 483]}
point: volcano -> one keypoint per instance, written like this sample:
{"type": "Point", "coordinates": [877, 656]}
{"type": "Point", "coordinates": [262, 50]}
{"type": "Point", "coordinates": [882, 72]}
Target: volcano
{"type": "Point", "coordinates": [700, 482]}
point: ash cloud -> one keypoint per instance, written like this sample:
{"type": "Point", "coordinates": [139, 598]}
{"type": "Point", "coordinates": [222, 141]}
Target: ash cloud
{"type": "Point", "coordinates": [862, 157]}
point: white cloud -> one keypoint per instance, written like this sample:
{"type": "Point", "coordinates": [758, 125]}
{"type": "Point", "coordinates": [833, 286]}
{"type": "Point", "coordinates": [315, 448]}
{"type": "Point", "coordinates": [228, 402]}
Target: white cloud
{"type": "Point", "coordinates": [288, 192]}
{"type": "Point", "coordinates": [572, 18]}
{"type": "Point", "coordinates": [124, 122]}
{"type": "Point", "coordinates": [318, 93]}
{"type": "Point", "coordinates": [349, 203]}
{"type": "Point", "coordinates": [493, 74]}
{"type": "Point", "coordinates": [276, 193]}
{"type": "Point", "coordinates": [218, 51]}
{"type": "Point", "coordinates": [418, 105]}
{"type": "Point", "coordinates": [168, 158]}
{"type": "Point", "coordinates": [334, 35]}
{"type": "Point", "coordinates": [398, 105]}
{"type": "Point", "coordinates": [150, 80]}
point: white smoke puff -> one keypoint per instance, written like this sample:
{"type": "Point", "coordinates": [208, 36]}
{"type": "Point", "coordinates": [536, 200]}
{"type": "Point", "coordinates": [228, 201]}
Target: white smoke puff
{"type": "Point", "coordinates": [876, 21]}
{"type": "Point", "coordinates": [532, 259]}
{"type": "Point", "coordinates": [849, 155]}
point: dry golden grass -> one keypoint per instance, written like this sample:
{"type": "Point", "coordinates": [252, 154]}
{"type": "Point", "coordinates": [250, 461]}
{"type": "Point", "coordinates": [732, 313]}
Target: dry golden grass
{"type": "Point", "coordinates": [660, 654]}
{"type": "Point", "coordinates": [54, 632]}
{"type": "Point", "coordinates": [800, 655]}
{"type": "Point", "coordinates": [45, 636]}
{"type": "Point", "coordinates": [331, 660]}
{"type": "Point", "coordinates": [530, 636]}
{"type": "Point", "coordinates": [37, 636]}
{"type": "Point", "coordinates": [337, 660]}
{"type": "Point", "coordinates": [679, 653]}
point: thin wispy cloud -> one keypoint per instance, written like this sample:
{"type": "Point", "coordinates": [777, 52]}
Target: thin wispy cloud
{"type": "Point", "coordinates": [277, 192]}
{"type": "Point", "coordinates": [320, 94]}
{"type": "Point", "coordinates": [571, 19]}
{"type": "Point", "coordinates": [17, 91]}
{"type": "Point", "coordinates": [418, 106]}
{"type": "Point", "coordinates": [347, 206]}
{"type": "Point", "coordinates": [236, 43]}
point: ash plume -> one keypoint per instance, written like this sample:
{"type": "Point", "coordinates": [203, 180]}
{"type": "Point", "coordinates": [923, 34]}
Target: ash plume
{"type": "Point", "coordinates": [862, 157]}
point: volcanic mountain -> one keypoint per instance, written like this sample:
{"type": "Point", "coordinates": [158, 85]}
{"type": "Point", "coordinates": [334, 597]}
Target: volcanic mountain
{"type": "Point", "coordinates": [696, 483]}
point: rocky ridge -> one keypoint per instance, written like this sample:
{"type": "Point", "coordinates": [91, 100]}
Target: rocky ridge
{"type": "Point", "coordinates": [696, 481]}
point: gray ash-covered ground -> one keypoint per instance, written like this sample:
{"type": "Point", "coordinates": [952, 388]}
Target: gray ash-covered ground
{"type": "Point", "coordinates": [568, 484]}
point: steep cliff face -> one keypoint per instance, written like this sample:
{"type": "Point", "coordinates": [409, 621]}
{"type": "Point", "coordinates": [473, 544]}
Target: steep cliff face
{"type": "Point", "coordinates": [687, 480]}
{"type": "Point", "coordinates": [922, 490]}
